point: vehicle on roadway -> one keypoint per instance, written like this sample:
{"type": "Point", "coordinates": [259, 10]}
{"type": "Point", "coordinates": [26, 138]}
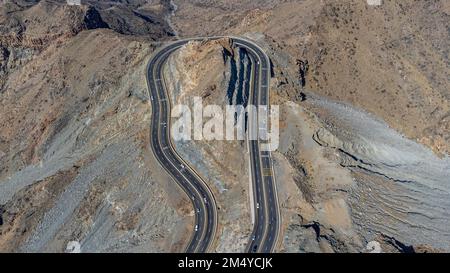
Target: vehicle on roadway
{"type": "Point", "coordinates": [193, 184]}
{"type": "Point", "coordinates": [255, 248]}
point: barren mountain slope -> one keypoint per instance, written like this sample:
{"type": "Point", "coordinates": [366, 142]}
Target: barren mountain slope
{"type": "Point", "coordinates": [390, 61]}
{"type": "Point", "coordinates": [360, 89]}
{"type": "Point", "coordinates": [75, 164]}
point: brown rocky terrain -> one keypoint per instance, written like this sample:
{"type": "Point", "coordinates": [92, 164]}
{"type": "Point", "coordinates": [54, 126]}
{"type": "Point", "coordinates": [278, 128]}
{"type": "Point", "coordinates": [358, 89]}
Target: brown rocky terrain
{"type": "Point", "coordinates": [389, 60]}
{"type": "Point", "coordinates": [74, 156]}
{"type": "Point", "coordinates": [364, 129]}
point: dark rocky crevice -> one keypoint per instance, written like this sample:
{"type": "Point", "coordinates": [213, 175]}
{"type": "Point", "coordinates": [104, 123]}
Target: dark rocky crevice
{"type": "Point", "coordinates": [303, 67]}
{"type": "Point", "coordinates": [401, 247]}
{"type": "Point", "coordinates": [93, 20]}
{"type": "Point", "coordinates": [330, 236]}
{"type": "Point", "coordinates": [1, 216]}
{"type": "Point", "coordinates": [233, 76]}
{"type": "Point", "coordinates": [316, 227]}
{"type": "Point", "coordinates": [239, 95]}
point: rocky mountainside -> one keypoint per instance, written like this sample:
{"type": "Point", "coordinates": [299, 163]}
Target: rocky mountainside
{"type": "Point", "coordinates": [365, 128]}
{"type": "Point", "coordinates": [364, 125]}
{"type": "Point", "coordinates": [74, 155]}
{"type": "Point", "coordinates": [26, 26]}
{"type": "Point", "coordinates": [391, 60]}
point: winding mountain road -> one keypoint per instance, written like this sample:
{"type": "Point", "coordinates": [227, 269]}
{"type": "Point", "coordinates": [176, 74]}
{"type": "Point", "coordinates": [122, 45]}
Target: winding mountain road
{"type": "Point", "coordinates": [266, 216]}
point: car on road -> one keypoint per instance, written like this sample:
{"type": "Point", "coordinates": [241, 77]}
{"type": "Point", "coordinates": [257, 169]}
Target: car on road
{"type": "Point", "coordinates": [254, 248]}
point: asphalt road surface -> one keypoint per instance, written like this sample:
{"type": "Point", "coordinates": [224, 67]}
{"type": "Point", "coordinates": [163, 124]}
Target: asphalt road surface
{"type": "Point", "coordinates": [267, 216]}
